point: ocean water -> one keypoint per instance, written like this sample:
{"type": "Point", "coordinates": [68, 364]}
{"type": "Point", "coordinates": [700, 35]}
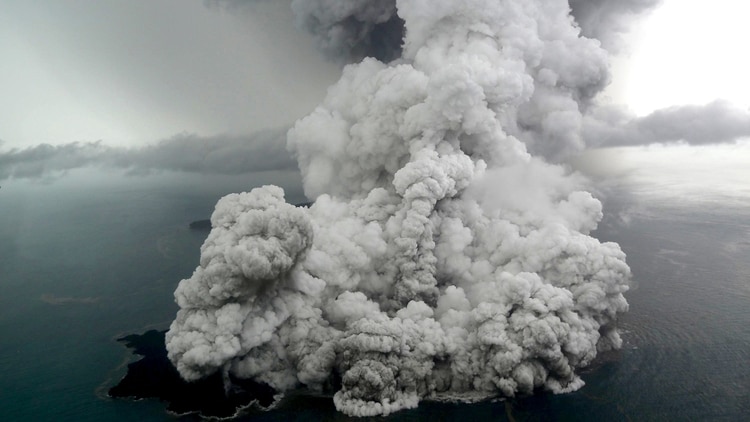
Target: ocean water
{"type": "Point", "coordinates": [83, 263]}
{"type": "Point", "coordinates": [85, 260]}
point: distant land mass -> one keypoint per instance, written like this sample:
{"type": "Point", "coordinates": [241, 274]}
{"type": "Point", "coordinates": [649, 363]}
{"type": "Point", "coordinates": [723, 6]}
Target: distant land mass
{"type": "Point", "coordinates": [205, 225]}
{"type": "Point", "coordinates": [154, 376]}
{"type": "Point", "coordinates": [202, 225]}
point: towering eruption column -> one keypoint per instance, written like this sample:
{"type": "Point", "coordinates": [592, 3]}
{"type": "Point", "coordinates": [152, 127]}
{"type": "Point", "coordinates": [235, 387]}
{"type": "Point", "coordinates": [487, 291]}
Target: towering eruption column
{"type": "Point", "coordinates": [440, 257]}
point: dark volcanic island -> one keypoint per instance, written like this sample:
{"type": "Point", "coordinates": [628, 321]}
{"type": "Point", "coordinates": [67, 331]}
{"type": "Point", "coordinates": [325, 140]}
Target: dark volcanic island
{"type": "Point", "coordinates": [154, 376]}
{"type": "Point", "coordinates": [203, 225]}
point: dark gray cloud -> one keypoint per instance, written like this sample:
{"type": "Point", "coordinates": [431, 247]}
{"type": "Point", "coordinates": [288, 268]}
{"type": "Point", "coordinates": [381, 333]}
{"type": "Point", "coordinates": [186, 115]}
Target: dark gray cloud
{"type": "Point", "coordinates": [607, 20]}
{"type": "Point", "coordinates": [345, 30]}
{"type": "Point", "coordinates": [353, 28]}
{"type": "Point", "coordinates": [712, 123]}
{"type": "Point", "coordinates": [221, 154]}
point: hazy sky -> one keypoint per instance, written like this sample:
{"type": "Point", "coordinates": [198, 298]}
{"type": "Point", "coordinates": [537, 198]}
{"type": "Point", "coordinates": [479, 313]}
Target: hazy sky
{"type": "Point", "coordinates": [687, 52]}
{"type": "Point", "coordinates": [131, 73]}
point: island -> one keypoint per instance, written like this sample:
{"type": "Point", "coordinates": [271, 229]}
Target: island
{"type": "Point", "coordinates": [201, 225]}
{"type": "Point", "coordinates": [154, 376]}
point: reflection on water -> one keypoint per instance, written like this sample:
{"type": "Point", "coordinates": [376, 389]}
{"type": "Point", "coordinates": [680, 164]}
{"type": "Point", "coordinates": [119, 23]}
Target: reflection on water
{"type": "Point", "coordinates": [717, 177]}
{"type": "Point", "coordinates": [683, 218]}
{"type": "Point", "coordinates": [686, 336]}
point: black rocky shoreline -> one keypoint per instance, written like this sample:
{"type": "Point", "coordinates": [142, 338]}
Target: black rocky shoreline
{"type": "Point", "coordinates": [154, 376]}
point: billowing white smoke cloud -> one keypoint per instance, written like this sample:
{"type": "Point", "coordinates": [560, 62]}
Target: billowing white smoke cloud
{"type": "Point", "coordinates": [353, 29]}
{"type": "Point", "coordinates": [440, 257]}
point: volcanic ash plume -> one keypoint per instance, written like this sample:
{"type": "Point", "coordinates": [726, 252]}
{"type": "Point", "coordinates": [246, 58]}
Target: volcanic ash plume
{"type": "Point", "coordinates": [440, 258]}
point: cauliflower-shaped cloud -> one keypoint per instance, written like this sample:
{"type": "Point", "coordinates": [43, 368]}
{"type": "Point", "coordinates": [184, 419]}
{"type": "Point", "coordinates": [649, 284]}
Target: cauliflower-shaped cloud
{"type": "Point", "coordinates": [444, 254]}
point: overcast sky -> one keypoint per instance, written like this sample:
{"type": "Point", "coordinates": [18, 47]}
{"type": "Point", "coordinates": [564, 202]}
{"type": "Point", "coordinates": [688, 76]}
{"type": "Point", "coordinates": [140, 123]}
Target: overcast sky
{"type": "Point", "coordinates": [132, 72]}
{"type": "Point", "coordinates": [686, 52]}
{"type": "Point", "coordinates": [140, 72]}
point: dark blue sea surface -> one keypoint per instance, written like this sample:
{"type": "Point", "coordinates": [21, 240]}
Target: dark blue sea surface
{"type": "Point", "coordinates": [82, 264]}
{"type": "Point", "coordinates": [85, 260]}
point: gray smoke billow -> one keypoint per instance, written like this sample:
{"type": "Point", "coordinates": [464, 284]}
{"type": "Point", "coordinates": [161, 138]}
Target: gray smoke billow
{"type": "Point", "coordinates": [444, 255]}
{"type": "Point", "coordinates": [353, 29]}
{"type": "Point", "coordinates": [345, 30]}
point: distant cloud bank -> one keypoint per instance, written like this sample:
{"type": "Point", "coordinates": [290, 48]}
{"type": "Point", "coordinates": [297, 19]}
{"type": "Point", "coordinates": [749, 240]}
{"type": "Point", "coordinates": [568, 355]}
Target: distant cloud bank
{"type": "Point", "coordinates": [712, 123]}
{"type": "Point", "coordinates": [220, 154]}
{"type": "Point", "coordinates": [607, 126]}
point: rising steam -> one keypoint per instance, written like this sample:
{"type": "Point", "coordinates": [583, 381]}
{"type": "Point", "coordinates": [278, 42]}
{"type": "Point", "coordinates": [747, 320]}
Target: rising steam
{"type": "Point", "coordinates": [443, 255]}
